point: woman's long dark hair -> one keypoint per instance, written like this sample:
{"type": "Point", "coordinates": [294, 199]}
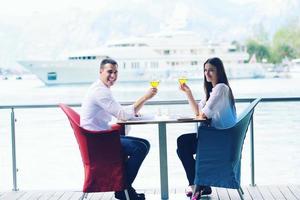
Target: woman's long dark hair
{"type": "Point", "coordinates": [222, 78]}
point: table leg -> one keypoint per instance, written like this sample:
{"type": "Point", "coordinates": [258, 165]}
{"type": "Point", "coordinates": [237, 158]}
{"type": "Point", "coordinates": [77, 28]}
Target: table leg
{"type": "Point", "coordinates": [163, 161]}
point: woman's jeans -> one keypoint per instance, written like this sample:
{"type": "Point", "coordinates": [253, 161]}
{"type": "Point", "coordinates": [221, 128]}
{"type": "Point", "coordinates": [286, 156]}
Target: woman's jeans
{"type": "Point", "coordinates": [186, 148]}
{"type": "Point", "coordinates": [136, 149]}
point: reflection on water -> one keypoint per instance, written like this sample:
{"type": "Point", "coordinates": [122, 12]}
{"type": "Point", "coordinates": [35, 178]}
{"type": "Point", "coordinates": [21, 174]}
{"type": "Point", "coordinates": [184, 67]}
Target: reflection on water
{"type": "Point", "coordinates": [35, 92]}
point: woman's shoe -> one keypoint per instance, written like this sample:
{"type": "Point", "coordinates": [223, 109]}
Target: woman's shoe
{"type": "Point", "coordinates": [189, 191]}
{"type": "Point", "coordinates": [196, 196]}
{"type": "Point", "coordinates": [206, 190]}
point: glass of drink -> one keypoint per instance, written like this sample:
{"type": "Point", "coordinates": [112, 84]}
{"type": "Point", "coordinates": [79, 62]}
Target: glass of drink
{"type": "Point", "coordinates": [182, 80]}
{"type": "Point", "coordinates": [154, 83]}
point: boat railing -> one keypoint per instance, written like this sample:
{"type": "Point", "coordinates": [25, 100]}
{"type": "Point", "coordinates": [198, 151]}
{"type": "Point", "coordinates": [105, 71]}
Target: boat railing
{"type": "Point", "coordinates": [13, 108]}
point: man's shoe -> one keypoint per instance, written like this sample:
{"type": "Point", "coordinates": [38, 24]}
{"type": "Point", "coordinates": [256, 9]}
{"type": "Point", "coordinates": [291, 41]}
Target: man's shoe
{"type": "Point", "coordinates": [132, 192]}
{"type": "Point", "coordinates": [120, 195]}
{"type": "Point", "coordinates": [132, 195]}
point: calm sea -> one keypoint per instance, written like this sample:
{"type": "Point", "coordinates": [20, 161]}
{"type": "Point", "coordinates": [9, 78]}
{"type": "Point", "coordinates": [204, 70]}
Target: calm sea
{"type": "Point", "coordinates": [48, 156]}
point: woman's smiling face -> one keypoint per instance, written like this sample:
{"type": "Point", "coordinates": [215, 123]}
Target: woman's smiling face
{"type": "Point", "coordinates": [210, 73]}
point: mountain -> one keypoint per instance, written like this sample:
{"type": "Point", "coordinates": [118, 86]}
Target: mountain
{"type": "Point", "coordinates": [40, 34]}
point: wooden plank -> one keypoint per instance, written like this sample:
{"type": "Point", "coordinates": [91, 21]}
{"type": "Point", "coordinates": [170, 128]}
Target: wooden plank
{"type": "Point", "coordinates": [265, 192]}
{"type": "Point", "coordinates": [246, 194]}
{"type": "Point", "coordinates": [276, 193]}
{"type": "Point", "coordinates": [287, 193]}
{"type": "Point", "coordinates": [76, 195]}
{"type": "Point", "coordinates": [151, 196]}
{"type": "Point", "coordinates": [34, 195]}
{"type": "Point", "coordinates": [96, 196]}
{"type": "Point", "coordinates": [156, 191]}
{"type": "Point", "coordinates": [171, 196]}
{"type": "Point", "coordinates": [223, 194]}
{"type": "Point", "coordinates": [295, 190]}
{"type": "Point", "coordinates": [12, 195]}
{"type": "Point", "coordinates": [47, 195]}
{"type": "Point", "coordinates": [290, 192]}
{"type": "Point", "coordinates": [90, 196]}
{"type": "Point", "coordinates": [173, 193]}
{"type": "Point", "coordinates": [254, 193]}
{"type": "Point", "coordinates": [178, 191]}
{"type": "Point", "coordinates": [26, 196]}
{"type": "Point", "coordinates": [21, 196]}
{"type": "Point", "coordinates": [108, 196]}
{"type": "Point", "coordinates": [66, 195]}
{"type": "Point", "coordinates": [57, 195]}
{"type": "Point", "coordinates": [233, 194]}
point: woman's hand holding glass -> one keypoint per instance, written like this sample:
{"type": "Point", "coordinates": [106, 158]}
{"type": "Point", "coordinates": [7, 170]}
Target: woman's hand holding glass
{"type": "Point", "coordinates": [182, 80]}
{"type": "Point", "coordinates": [185, 88]}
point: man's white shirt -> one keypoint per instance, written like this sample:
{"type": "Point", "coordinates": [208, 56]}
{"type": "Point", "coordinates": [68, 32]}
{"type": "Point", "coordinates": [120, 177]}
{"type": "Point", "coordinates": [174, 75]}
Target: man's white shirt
{"type": "Point", "coordinates": [99, 106]}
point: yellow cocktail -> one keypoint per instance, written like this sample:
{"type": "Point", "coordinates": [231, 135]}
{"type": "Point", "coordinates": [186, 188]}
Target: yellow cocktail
{"type": "Point", "coordinates": [154, 83]}
{"type": "Point", "coordinates": [182, 80]}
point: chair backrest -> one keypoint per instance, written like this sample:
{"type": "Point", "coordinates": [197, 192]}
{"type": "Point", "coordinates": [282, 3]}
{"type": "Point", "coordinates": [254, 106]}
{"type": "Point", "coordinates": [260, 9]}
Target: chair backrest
{"type": "Point", "coordinates": [249, 109]}
{"type": "Point", "coordinates": [242, 124]}
{"type": "Point", "coordinates": [71, 114]}
{"type": "Point", "coordinates": [219, 152]}
{"type": "Point", "coordinates": [74, 120]}
{"type": "Point", "coordinates": [101, 154]}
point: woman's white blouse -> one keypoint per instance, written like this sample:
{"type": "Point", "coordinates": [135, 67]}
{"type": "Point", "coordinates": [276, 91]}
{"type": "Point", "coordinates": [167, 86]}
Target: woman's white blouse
{"type": "Point", "coordinates": [218, 107]}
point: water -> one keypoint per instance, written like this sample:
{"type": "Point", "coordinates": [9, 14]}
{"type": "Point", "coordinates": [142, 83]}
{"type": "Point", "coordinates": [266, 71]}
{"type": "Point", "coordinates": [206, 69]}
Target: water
{"type": "Point", "coordinates": [35, 92]}
{"type": "Point", "coordinates": [48, 156]}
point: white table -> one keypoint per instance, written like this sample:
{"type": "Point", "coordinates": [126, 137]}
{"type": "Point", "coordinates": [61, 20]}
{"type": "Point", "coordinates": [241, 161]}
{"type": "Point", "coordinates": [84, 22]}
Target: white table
{"type": "Point", "coordinates": [162, 146]}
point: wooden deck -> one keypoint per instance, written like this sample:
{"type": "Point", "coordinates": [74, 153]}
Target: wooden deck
{"type": "Point", "coordinates": [272, 192]}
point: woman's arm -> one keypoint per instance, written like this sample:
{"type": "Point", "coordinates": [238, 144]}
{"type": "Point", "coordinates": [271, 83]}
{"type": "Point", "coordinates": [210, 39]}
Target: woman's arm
{"type": "Point", "coordinates": [190, 98]}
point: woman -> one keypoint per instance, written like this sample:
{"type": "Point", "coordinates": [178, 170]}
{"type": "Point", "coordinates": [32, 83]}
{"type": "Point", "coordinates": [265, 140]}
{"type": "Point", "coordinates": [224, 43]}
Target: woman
{"type": "Point", "coordinates": [218, 105]}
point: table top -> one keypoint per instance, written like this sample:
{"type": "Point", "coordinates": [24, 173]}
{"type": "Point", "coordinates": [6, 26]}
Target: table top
{"type": "Point", "coordinates": [158, 120]}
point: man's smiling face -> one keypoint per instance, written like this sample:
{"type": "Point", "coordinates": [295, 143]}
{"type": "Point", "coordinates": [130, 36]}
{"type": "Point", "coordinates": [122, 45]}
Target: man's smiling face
{"type": "Point", "coordinates": [109, 74]}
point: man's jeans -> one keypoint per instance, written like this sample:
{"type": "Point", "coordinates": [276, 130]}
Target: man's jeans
{"type": "Point", "coordinates": [136, 149]}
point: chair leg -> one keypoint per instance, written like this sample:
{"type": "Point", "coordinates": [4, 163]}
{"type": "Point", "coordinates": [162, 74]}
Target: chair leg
{"type": "Point", "coordinates": [241, 192]}
{"type": "Point", "coordinates": [241, 189]}
{"type": "Point", "coordinates": [84, 196]}
{"type": "Point", "coordinates": [126, 194]}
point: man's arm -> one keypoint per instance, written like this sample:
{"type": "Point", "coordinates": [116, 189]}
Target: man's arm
{"type": "Point", "coordinates": [141, 101]}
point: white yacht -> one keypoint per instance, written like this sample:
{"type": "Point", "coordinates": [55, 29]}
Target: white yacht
{"type": "Point", "coordinates": [164, 56]}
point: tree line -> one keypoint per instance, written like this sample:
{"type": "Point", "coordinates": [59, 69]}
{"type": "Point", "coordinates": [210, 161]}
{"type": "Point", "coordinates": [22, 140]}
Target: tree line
{"type": "Point", "coordinates": [285, 44]}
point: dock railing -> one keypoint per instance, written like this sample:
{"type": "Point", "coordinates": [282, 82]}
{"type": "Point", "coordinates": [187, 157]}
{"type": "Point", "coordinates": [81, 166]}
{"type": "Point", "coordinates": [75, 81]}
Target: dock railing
{"type": "Point", "coordinates": [13, 108]}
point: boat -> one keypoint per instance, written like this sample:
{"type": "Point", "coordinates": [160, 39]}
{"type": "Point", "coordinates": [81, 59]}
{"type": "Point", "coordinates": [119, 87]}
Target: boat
{"type": "Point", "coordinates": [294, 68]}
{"type": "Point", "coordinates": [165, 55]}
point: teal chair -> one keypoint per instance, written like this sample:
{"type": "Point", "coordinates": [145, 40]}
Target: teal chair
{"type": "Point", "coordinates": [218, 158]}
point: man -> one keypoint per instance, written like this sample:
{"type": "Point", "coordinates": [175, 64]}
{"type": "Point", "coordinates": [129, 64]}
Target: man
{"type": "Point", "coordinates": [98, 108]}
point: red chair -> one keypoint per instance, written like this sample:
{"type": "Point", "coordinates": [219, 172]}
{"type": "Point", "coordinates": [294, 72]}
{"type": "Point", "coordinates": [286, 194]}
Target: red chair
{"type": "Point", "coordinates": [101, 154]}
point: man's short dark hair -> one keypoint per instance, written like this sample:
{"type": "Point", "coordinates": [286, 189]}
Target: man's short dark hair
{"type": "Point", "coordinates": [107, 61]}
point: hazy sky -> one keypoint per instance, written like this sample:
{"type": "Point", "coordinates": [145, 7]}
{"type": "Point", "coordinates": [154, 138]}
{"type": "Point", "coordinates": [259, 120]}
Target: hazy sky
{"type": "Point", "coordinates": [237, 14]}
{"type": "Point", "coordinates": [20, 8]}
{"type": "Point", "coordinates": [48, 28]}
